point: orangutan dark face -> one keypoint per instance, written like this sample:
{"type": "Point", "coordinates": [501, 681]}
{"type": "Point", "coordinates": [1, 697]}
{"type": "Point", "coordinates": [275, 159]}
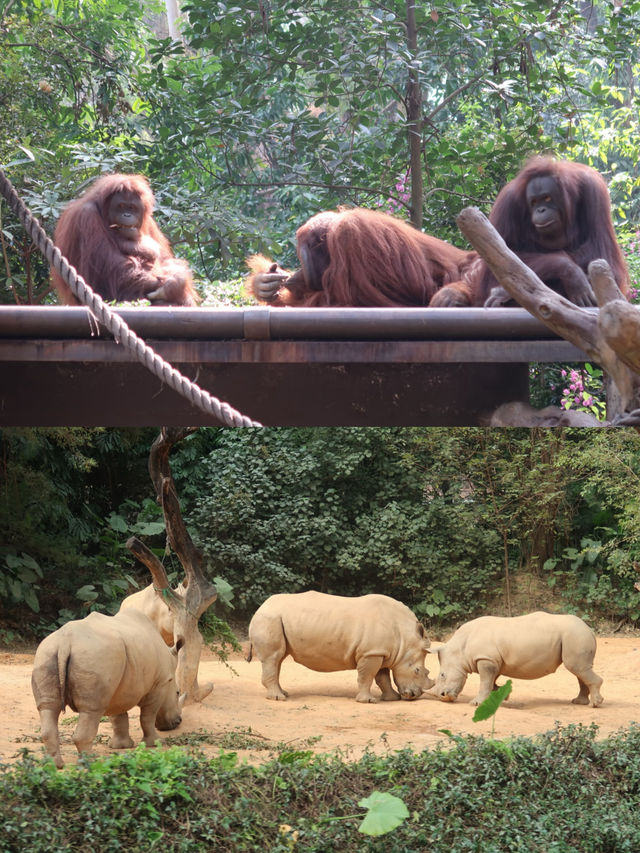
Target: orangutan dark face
{"type": "Point", "coordinates": [125, 213]}
{"type": "Point", "coordinates": [547, 212]}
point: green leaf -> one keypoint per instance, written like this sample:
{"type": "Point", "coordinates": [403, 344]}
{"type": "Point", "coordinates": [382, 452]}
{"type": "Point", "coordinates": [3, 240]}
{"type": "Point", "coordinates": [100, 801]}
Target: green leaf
{"type": "Point", "coordinates": [493, 701]}
{"type": "Point", "coordinates": [385, 813]}
{"type": "Point", "coordinates": [450, 734]}
{"type": "Point", "coordinates": [149, 528]}
{"type": "Point", "coordinates": [117, 522]}
{"type": "Point", "coordinates": [31, 599]}
{"type": "Point", "coordinates": [297, 756]}
{"type": "Point", "coordinates": [224, 590]}
{"type": "Point", "coordinates": [87, 593]}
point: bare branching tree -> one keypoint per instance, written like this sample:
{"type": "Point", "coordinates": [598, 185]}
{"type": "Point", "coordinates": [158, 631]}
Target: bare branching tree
{"type": "Point", "coordinates": [609, 336]}
{"type": "Point", "coordinates": [182, 607]}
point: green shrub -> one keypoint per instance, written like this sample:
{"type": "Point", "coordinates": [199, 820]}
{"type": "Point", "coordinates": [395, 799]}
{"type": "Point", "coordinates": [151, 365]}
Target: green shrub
{"type": "Point", "coordinates": [560, 792]}
{"type": "Point", "coordinates": [339, 510]}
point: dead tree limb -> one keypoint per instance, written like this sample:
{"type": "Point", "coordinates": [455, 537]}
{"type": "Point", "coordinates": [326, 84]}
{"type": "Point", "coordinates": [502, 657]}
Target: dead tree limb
{"type": "Point", "coordinates": [175, 611]}
{"type": "Point", "coordinates": [609, 335]}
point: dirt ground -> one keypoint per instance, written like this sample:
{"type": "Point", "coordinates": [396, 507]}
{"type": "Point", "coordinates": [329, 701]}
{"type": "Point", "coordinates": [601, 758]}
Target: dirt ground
{"type": "Point", "coordinates": [322, 714]}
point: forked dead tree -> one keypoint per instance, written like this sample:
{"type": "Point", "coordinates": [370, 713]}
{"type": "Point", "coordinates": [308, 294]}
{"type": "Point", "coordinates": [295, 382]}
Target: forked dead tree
{"type": "Point", "coordinates": [175, 611]}
{"type": "Point", "coordinates": [610, 335]}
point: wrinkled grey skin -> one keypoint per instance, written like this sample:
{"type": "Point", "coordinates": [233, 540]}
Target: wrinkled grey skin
{"type": "Point", "coordinates": [529, 646]}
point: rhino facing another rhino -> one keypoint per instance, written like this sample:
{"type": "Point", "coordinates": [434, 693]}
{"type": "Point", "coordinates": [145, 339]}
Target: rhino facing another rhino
{"type": "Point", "coordinates": [373, 634]}
{"type": "Point", "coordinates": [528, 646]}
{"type": "Point", "coordinates": [105, 665]}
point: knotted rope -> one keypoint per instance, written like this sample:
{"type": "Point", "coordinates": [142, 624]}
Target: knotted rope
{"type": "Point", "coordinates": [114, 323]}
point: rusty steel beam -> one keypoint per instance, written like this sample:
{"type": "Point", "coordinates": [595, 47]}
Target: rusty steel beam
{"type": "Point", "coordinates": [264, 323]}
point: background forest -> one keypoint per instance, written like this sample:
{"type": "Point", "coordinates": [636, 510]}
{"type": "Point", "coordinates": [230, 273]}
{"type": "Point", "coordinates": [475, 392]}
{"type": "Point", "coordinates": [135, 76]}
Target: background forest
{"type": "Point", "coordinates": [261, 114]}
{"type": "Point", "coordinates": [453, 522]}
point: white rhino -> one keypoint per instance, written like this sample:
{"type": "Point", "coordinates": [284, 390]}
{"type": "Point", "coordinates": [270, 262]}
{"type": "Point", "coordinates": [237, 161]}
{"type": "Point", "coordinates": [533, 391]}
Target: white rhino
{"type": "Point", "coordinates": [148, 601]}
{"type": "Point", "coordinates": [105, 665]}
{"type": "Point", "coordinates": [528, 646]}
{"type": "Point", "coordinates": [373, 634]}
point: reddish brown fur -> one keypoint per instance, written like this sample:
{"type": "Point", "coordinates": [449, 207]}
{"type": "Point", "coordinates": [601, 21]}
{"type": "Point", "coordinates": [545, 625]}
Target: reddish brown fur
{"type": "Point", "coordinates": [359, 257]}
{"type": "Point", "coordinates": [117, 269]}
{"type": "Point", "coordinates": [587, 216]}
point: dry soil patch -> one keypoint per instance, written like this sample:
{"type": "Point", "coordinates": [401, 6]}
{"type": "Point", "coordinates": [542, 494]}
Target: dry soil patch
{"type": "Point", "coordinates": [322, 714]}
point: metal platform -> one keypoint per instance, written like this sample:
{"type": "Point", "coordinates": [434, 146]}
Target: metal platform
{"type": "Point", "coordinates": [279, 366]}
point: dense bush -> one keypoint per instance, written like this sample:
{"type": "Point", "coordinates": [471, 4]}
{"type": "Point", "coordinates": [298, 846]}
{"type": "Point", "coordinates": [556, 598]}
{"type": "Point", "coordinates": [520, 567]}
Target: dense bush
{"type": "Point", "coordinates": [560, 792]}
{"type": "Point", "coordinates": [344, 511]}
{"type": "Point", "coordinates": [439, 518]}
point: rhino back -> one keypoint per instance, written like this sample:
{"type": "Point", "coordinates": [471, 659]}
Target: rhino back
{"type": "Point", "coordinates": [527, 646]}
{"type": "Point", "coordinates": [113, 661]}
{"type": "Point", "coordinates": [148, 601]}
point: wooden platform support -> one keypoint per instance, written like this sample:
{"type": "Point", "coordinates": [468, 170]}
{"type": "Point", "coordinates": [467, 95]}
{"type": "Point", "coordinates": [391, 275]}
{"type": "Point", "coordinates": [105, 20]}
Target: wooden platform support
{"type": "Point", "coordinates": [280, 366]}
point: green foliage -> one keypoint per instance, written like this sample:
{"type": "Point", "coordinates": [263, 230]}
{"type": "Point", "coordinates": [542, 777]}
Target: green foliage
{"type": "Point", "coordinates": [342, 511]}
{"type": "Point", "coordinates": [385, 812]}
{"type": "Point", "coordinates": [563, 791]}
{"type": "Point", "coordinates": [264, 114]}
{"type": "Point", "coordinates": [19, 580]}
{"type": "Point", "coordinates": [58, 489]}
{"type": "Point", "coordinates": [493, 701]}
{"type": "Point", "coordinates": [438, 518]}
{"type": "Point", "coordinates": [598, 578]}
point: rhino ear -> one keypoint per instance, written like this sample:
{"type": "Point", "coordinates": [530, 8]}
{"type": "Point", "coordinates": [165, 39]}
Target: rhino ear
{"type": "Point", "coordinates": [178, 645]}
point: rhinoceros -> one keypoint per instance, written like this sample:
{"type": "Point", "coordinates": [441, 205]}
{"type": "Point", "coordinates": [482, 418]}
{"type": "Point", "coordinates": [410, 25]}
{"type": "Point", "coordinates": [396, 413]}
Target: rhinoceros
{"type": "Point", "coordinates": [148, 601]}
{"type": "Point", "coordinates": [528, 646]}
{"type": "Point", "coordinates": [373, 634]}
{"type": "Point", "coordinates": [105, 665]}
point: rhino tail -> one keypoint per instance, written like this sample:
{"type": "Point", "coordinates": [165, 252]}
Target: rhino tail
{"type": "Point", "coordinates": [64, 655]}
{"type": "Point", "coordinates": [249, 655]}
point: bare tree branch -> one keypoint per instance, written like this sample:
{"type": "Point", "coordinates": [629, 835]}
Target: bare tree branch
{"type": "Point", "coordinates": [609, 335]}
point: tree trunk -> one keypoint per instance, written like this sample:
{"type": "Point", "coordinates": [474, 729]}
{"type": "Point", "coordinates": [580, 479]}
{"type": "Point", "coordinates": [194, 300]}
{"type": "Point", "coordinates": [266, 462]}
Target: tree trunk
{"type": "Point", "coordinates": [195, 594]}
{"type": "Point", "coordinates": [414, 119]}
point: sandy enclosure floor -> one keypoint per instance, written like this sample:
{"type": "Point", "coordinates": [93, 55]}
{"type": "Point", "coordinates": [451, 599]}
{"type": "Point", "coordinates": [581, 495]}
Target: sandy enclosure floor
{"type": "Point", "coordinates": [322, 714]}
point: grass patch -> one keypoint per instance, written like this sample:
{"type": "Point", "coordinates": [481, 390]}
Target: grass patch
{"type": "Point", "coordinates": [238, 738]}
{"type": "Point", "coordinates": [561, 792]}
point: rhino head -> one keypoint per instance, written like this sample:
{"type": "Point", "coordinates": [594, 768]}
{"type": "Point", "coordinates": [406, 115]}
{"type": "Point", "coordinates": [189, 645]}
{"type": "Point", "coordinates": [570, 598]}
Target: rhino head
{"type": "Point", "coordinates": [410, 676]}
{"type": "Point", "coordinates": [451, 679]}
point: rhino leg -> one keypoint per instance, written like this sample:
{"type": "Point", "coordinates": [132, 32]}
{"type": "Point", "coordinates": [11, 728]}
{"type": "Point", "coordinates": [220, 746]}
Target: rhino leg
{"type": "Point", "coordinates": [383, 680]}
{"type": "Point", "coordinates": [49, 730]}
{"type": "Point", "coordinates": [271, 675]}
{"type": "Point", "coordinates": [120, 738]}
{"type": "Point", "coordinates": [86, 730]}
{"type": "Point", "coordinates": [589, 689]}
{"type": "Point", "coordinates": [148, 715]}
{"type": "Point", "coordinates": [267, 638]}
{"type": "Point", "coordinates": [368, 668]}
{"type": "Point", "coordinates": [488, 671]}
